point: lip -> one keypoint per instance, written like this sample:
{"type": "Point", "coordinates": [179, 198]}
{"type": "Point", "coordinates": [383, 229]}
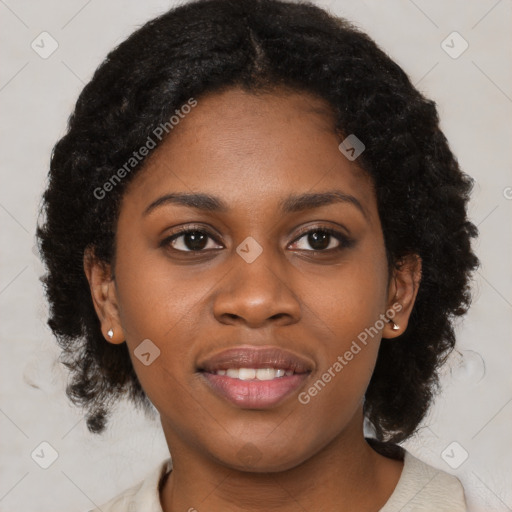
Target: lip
{"type": "Point", "coordinates": [256, 357]}
{"type": "Point", "coordinates": [255, 394]}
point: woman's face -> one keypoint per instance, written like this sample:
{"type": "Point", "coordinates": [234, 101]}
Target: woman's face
{"type": "Point", "coordinates": [258, 272]}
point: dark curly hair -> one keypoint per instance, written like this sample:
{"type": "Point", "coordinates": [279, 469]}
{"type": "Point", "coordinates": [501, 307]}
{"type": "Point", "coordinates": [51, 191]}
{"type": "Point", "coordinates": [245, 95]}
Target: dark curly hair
{"type": "Point", "coordinates": [207, 46]}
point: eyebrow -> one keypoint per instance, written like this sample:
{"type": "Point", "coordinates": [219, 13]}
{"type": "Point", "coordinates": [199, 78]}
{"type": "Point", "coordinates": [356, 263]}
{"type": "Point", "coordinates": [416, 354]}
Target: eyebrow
{"type": "Point", "coordinates": [292, 204]}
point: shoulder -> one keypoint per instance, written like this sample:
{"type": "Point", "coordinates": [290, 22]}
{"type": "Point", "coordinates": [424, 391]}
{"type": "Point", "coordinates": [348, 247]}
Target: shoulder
{"type": "Point", "coordinates": [143, 496]}
{"type": "Point", "coordinates": [423, 488]}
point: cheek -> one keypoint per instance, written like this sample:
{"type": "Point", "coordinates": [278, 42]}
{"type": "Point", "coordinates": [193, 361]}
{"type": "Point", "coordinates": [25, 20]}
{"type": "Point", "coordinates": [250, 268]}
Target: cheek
{"type": "Point", "coordinates": [348, 310]}
{"type": "Point", "coordinates": [161, 304]}
{"type": "Point", "coordinates": [154, 295]}
{"type": "Point", "coordinates": [351, 296]}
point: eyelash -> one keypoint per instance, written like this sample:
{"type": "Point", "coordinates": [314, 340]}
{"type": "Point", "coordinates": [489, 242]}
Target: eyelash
{"type": "Point", "coordinates": [344, 241]}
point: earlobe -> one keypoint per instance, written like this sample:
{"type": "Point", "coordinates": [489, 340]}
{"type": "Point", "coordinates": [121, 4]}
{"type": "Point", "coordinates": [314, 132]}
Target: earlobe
{"type": "Point", "coordinates": [115, 336]}
{"type": "Point", "coordinates": [104, 296]}
{"type": "Point", "coordinates": [394, 326]}
{"type": "Point", "coordinates": [403, 289]}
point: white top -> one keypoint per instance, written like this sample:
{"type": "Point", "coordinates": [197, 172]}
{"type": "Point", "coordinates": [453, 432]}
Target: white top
{"type": "Point", "coordinates": [421, 488]}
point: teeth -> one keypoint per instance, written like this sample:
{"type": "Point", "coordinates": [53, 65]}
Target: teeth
{"type": "Point", "coordinates": [253, 373]}
{"type": "Point", "coordinates": [246, 373]}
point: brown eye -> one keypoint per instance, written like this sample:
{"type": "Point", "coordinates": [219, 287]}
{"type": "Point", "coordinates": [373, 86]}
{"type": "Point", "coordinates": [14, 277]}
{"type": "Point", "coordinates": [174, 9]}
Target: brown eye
{"type": "Point", "coordinates": [190, 240]}
{"type": "Point", "coordinates": [323, 240]}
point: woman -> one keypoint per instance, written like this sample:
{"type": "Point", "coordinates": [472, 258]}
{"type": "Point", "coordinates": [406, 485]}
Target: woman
{"type": "Point", "coordinates": [255, 224]}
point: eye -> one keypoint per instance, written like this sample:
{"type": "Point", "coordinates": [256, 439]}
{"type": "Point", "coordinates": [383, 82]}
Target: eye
{"type": "Point", "coordinates": [323, 239]}
{"type": "Point", "coordinates": [197, 240]}
{"type": "Point", "coordinates": [190, 240]}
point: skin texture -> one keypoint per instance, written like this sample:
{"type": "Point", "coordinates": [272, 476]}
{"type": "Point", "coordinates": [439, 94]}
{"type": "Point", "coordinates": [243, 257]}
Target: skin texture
{"type": "Point", "coordinates": [253, 151]}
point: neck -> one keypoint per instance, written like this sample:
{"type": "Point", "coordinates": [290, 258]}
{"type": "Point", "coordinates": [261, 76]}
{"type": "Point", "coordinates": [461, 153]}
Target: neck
{"type": "Point", "coordinates": [345, 475]}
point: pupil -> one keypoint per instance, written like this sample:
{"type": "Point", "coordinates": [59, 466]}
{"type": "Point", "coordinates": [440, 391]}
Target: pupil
{"type": "Point", "coordinates": [318, 241]}
{"type": "Point", "coordinates": [195, 240]}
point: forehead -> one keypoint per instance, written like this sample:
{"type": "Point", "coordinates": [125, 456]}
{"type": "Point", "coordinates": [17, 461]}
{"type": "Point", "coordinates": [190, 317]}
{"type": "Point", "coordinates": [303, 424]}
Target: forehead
{"type": "Point", "coordinates": [250, 148]}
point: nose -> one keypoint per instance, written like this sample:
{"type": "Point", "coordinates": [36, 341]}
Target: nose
{"type": "Point", "coordinates": [258, 292]}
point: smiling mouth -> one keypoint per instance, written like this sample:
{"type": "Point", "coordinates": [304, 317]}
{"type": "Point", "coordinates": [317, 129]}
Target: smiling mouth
{"type": "Point", "coordinates": [255, 373]}
{"type": "Point", "coordinates": [255, 378]}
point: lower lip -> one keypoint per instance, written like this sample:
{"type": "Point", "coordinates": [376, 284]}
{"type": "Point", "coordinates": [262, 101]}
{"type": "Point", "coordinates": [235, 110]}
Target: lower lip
{"type": "Point", "coordinates": [254, 394]}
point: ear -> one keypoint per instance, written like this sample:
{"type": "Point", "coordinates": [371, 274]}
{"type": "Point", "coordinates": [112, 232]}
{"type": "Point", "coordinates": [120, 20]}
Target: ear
{"type": "Point", "coordinates": [104, 296]}
{"type": "Point", "coordinates": [403, 288]}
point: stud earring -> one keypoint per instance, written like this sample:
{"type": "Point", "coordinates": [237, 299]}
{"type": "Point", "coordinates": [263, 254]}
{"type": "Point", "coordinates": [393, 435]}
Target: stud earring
{"type": "Point", "coordinates": [110, 333]}
{"type": "Point", "coordinates": [395, 327]}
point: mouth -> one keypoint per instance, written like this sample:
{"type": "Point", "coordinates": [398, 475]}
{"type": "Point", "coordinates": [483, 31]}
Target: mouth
{"type": "Point", "coordinates": [255, 377]}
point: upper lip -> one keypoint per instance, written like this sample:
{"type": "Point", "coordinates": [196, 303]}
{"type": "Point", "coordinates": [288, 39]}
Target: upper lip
{"type": "Point", "coordinates": [256, 357]}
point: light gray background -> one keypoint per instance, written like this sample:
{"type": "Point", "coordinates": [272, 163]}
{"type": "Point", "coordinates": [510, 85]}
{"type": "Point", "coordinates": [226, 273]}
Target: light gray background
{"type": "Point", "coordinates": [474, 96]}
